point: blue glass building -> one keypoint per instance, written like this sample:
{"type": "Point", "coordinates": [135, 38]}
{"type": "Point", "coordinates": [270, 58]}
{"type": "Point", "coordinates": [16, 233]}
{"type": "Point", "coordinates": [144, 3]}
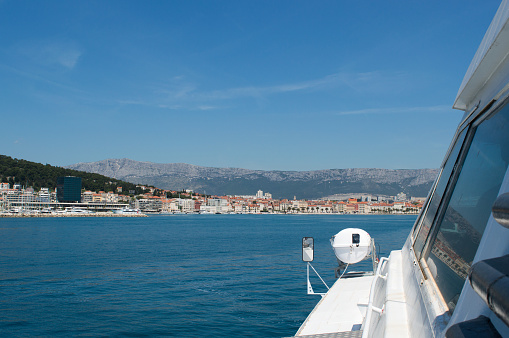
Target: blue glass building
{"type": "Point", "coordinates": [69, 189]}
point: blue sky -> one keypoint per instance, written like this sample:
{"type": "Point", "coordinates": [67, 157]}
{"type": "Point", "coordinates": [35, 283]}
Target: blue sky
{"type": "Point", "coordinates": [273, 85]}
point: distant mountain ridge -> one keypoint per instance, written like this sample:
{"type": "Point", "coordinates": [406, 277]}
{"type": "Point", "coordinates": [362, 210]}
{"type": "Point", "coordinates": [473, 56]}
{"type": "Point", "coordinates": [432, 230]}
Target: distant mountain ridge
{"type": "Point", "coordinates": [282, 184]}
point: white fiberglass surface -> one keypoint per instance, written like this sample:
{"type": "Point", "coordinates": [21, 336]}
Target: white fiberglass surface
{"type": "Point", "coordinates": [342, 309]}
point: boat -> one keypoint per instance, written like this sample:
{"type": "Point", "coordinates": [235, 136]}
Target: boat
{"type": "Point", "coordinates": [451, 277]}
{"type": "Point", "coordinates": [127, 211]}
{"type": "Point", "coordinates": [77, 210]}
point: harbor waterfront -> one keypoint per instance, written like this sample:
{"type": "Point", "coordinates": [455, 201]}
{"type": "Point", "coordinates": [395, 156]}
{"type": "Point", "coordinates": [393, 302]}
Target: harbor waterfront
{"type": "Point", "coordinates": [68, 214]}
{"type": "Point", "coordinates": [182, 276]}
{"type": "Point", "coordinates": [27, 201]}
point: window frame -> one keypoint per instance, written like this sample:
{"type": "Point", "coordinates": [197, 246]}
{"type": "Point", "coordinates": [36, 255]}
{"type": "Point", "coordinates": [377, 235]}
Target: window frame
{"type": "Point", "coordinates": [470, 123]}
{"type": "Point", "coordinates": [449, 189]}
{"type": "Point", "coordinates": [451, 181]}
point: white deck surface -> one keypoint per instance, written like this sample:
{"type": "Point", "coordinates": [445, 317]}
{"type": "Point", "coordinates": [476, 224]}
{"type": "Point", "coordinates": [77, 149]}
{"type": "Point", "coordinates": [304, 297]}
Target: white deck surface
{"type": "Point", "coordinates": [395, 303]}
{"type": "Point", "coordinates": [342, 309]}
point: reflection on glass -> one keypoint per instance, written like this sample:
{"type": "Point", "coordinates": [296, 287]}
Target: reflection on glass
{"type": "Point", "coordinates": [307, 249]}
{"type": "Point", "coordinates": [469, 208]}
{"type": "Point", "coordinates": [437, 196]}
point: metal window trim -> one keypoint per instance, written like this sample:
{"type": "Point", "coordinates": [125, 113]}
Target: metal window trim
{"type": "Point", "coordinates": [450, 182]}
{"type": "Point", "coordinates": [451, 185]}
{"type": "Point", "coordinates": [418, 223]}
{"type": "Point", "coordinates": [489, 111]}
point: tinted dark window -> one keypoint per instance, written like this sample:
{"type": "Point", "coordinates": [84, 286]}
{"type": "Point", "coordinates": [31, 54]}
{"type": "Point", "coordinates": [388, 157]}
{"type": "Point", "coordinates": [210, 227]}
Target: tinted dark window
{"type": "Point", "coordinates": [469, 207]}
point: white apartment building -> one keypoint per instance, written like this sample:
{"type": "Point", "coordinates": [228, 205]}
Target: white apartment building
{"type": "Point", "coordinates": [87, 197]}
{"type": "Point", "coordinates": [300, 205]}
{"type": "Point", "coordinates": [110, 197]}
{"type": "Point", "coordinates": [186, 205]}
{"type": "Point", "coordinates": [216, 205]}
{"type": "Point", "coordinates": [401, 197]}
{"type": "Point", "coordinates": [170, 205]}
{"type": "Point", "coordinates": [44, 195]}
{"type": "Point", "coordinates": [240, 208]}
{"type": "Point", "coordinates": [149, 204]}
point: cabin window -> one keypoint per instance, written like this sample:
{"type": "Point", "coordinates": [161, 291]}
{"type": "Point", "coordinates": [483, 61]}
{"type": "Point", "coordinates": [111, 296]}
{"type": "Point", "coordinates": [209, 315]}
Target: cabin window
{"type": "Point", "coordinates": [461, 227]}
{"type": "Point", "coordinates": [434, 202]}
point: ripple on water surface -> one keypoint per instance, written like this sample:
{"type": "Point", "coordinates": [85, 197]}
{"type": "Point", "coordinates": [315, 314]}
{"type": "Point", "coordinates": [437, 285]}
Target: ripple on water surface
{"type": "Point", "coordinates": [185, 276]}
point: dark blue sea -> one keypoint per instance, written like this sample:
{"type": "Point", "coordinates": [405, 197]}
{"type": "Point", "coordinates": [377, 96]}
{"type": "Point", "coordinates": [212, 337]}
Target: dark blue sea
{"type": "Point", "coordinates": [170, 276]}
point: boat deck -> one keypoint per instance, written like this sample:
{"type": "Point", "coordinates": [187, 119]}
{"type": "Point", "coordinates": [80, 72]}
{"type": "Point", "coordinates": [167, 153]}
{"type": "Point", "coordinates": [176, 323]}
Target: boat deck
{"type": "Point", "coordinates": [349, 334]}
{"type": "Point", "coordinates": [341, 310]}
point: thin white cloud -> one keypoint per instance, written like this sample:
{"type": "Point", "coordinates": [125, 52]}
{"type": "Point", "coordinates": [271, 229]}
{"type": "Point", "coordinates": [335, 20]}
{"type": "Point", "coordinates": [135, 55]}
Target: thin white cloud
{"type": "Point", "coordinates": [396, 110]}
{"type": "Point", "coordinates": [207, 107]}
{"type": "Point", "coordinates": [262, 91]}
{"type": "Point", "coordinates": [186, 91]}
{"type": "Point", "coordinates": [374, 81]}
{"type": "Point", "coordinates": [181, 93]}
{"type": "Point", "coordinates": [39, 78]}
{"type": "Point", "coordinates": [131, 102]}
{"type": "Point", "coordinates": [65, 54]}
{"type": "Point", "coordinates": [67, 58]}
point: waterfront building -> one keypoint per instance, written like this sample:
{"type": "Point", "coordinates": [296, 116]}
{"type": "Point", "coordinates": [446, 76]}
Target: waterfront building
{"type": "Point", "coordinates": [240, 208]}
{"type": "Point", "coordinates": [299, 205]}
{"type": "Point", "coordinates": [364, 207]}
{"type": "Point", "coordinates": [265, 206]}
{"type": "Point", "coordinates": [325, 208]}
{"type": "Point", "coordinates": [351, 208]}
{"type": "Point", "coordinates": [400, 197]}
{"type": "Point", "coordinates": [398, 206]}
{"type": "Point", "coordinates": [186, 205]}
{"type": "Point", "coordinates": [169, 205]}
{"type": "Point", "coordinates": [87, 197]}
{"type": "Point", "coordinates": [340, 207]}
{"type": "Point", "coordinates": [44, 195]}
{"type": "Point", "coordinates": [110, 197]}
{"type": "Point", "coordinates": [382, 207]}
{"type": "Point", "coordinates": [152, 204]}
{"type": "Point", "coordinates": [253, 208]}
{"type": "Point", "coordinates": [216, 205]}
{"type": "Point", "coordinates": [69, 189]}
{"type": "Point", "coordinates": [17, 196]}
{"type": "Point", "coordinates": [285, 205]}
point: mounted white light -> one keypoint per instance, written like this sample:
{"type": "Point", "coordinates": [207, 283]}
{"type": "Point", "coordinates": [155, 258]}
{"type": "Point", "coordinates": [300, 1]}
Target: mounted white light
{"type": "Point", "coordinates": [351, 245]}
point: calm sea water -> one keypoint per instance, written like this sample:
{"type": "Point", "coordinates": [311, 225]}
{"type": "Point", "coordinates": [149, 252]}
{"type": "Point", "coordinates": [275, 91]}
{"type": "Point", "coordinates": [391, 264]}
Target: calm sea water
{"type": "Point", "coordinates": [182, 275]}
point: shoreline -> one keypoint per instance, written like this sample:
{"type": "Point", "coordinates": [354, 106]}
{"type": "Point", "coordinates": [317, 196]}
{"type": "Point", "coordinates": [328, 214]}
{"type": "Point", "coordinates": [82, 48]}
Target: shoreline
{"type": "Point", "coordinates": [157, 214]}
{"type": "Point", "coordinates": [69, 215]}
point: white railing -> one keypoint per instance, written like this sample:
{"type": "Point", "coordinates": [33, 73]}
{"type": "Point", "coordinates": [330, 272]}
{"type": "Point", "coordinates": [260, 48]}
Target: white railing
{"type": "Point", "coordinates": [379, 308]}
{"type": "Point", "coordinates": [310, 288]}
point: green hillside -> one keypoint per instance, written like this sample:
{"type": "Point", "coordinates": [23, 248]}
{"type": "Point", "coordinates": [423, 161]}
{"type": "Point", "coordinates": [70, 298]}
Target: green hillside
{"type": "Point", "coordinates": [36, 175]}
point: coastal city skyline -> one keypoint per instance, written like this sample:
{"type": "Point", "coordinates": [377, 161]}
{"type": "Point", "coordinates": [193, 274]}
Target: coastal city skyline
{"type": "Point", "coordinates": [16, 201]}
{"type": "Point", "coordinates": [289, 85]}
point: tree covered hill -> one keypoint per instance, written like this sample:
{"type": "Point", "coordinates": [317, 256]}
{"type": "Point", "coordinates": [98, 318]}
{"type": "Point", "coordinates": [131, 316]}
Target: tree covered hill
{"type": "Point", "coordinates": [36, 175]}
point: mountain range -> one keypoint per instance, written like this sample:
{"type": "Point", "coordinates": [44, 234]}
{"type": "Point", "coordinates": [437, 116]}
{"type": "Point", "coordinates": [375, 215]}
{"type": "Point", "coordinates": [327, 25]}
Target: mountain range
{"type": "Point", "coordinates": [281, 184]}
